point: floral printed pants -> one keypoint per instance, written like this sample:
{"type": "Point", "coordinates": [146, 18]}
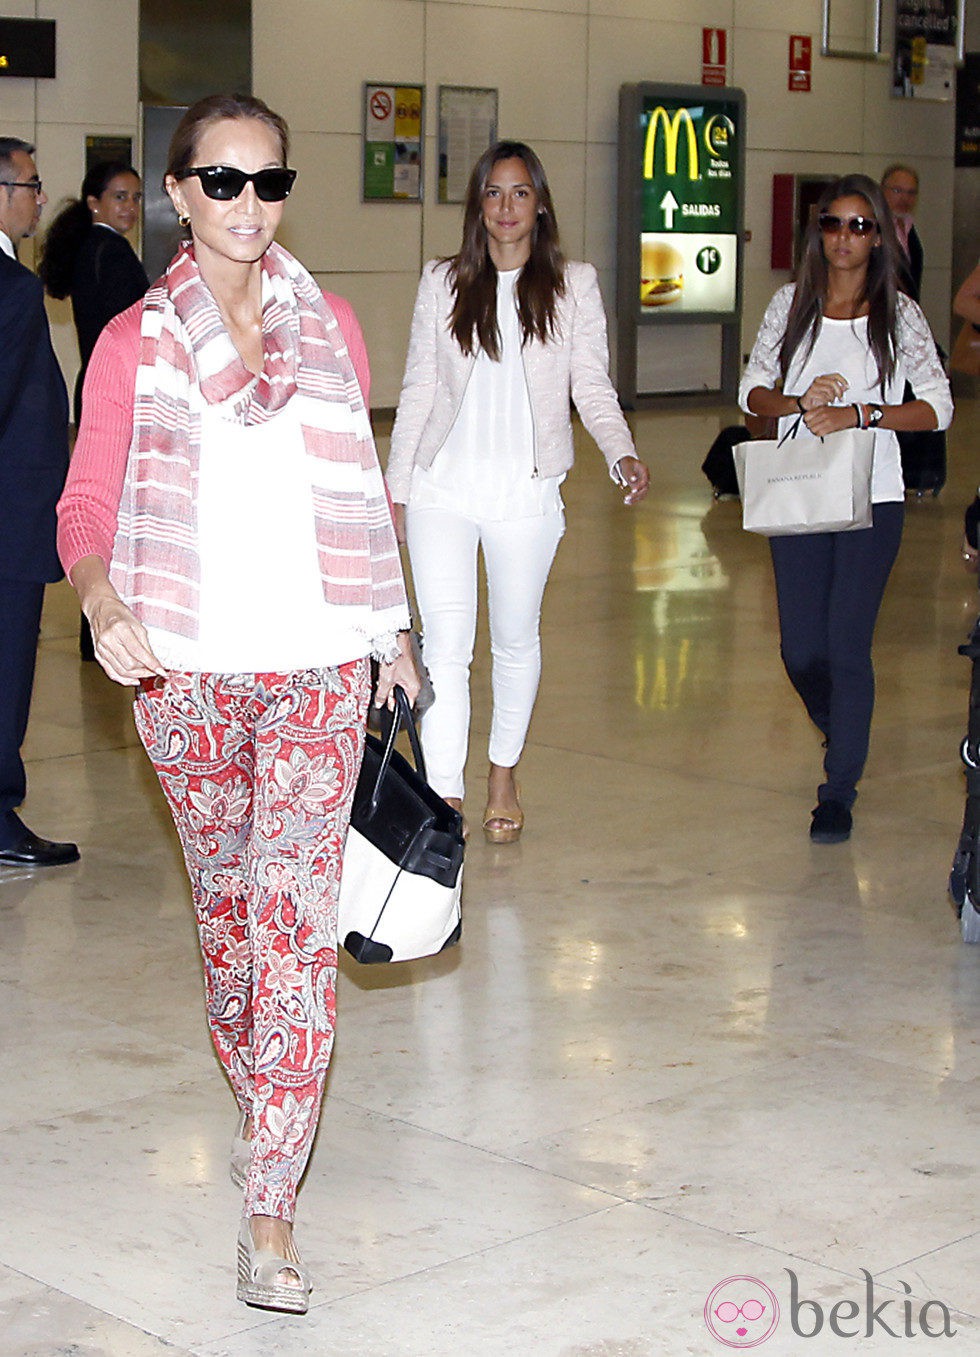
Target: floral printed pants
{"type": "Point", "coordinates": [259, 771]}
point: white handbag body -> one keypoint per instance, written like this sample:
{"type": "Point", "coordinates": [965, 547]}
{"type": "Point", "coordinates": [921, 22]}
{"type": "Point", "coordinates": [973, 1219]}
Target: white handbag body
{"type": "Point", "coordinates": [427, 917]}
{"type": "Point", "coordinates": [806, 485]}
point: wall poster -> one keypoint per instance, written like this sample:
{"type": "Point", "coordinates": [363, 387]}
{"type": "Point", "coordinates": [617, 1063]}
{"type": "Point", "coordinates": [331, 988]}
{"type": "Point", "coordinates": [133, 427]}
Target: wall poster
{"type": "Point", "coordinates": [687, 172]}
{"type": "Point", "coordinates": [928, 44]}
{"type": "Point", "coordinates": [467, 126]}
{"type": "Point", "coordinates": [679, 239]}
{"type": "Point", "coordinates": [393, 142]}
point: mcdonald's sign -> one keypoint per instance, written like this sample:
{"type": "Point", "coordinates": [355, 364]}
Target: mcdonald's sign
{"type": "Point", "coordinates": [671, 136]}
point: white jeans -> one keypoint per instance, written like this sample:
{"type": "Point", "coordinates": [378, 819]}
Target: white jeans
{"type": "Point", "coordinates": [517, 556]}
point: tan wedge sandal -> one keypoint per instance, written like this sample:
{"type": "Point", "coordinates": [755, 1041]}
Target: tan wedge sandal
{"type": "Point", "coordinates": [259, 1277]}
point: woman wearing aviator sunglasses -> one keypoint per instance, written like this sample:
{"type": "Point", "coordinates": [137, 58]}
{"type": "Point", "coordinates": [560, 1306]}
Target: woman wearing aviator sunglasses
{"type": "Point", "coordinates": [226, 527]}
{"type": "Point", "coordinates": [834, 352]}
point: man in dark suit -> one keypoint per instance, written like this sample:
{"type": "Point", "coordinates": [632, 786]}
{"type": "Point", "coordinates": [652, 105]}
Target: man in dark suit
{"type": "Point", "coordinates": [923, 453]}
{"type": "Point", "coordinates": [33, 463]}
{"type": "Point", "coordinates": [900, 185]}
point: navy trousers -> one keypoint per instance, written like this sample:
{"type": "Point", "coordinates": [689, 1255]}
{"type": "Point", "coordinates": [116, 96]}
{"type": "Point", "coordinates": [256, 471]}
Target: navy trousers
{"type": "Point", "coordinates": [20, 624]}
{"type": "Point", "coordinates": [829, 588]}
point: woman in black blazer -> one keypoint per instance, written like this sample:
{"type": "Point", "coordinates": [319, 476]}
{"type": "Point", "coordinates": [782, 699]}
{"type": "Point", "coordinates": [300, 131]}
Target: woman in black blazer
{"type": "Point", "coordinates": [88, 258]}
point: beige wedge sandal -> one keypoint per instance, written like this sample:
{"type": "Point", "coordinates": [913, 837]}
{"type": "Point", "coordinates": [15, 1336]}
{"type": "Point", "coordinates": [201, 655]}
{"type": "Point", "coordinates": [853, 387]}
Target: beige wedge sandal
{"type": "Point", "coordinates": [259, 1277]}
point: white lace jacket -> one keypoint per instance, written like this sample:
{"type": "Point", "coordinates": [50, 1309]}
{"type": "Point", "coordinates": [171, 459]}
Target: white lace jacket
{"type": "Point", "coordinates": [915, 349]}
{"type": "Point", "coordinates": [842, 347]}
{"type": "Point", "coordinates": [576, 362]}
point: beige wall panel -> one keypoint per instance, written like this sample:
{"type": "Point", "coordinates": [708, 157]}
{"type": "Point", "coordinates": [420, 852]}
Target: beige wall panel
{"type": "Point", "coordinates": [711, 13]}
{"type": "Point", "coordinates": [98, 63]}
{"type": "Point", "coordinates": [564, 164]}
{"type": "Point", "coordinates": [623, 51]}
{"type": "Point", "coordinates": [17, 127]}
{"type": "Point", "coordinates": [383, 303]}
{"type": "Point", "coordinates": [328, 227]}
{"type": "Point", "coordinates": [902, 129]}
{"type": "Point", "coordinates": [601, 208]}
{"type": "Point", "coordinates": [542, 97]}
{"type": "Point", "coordinates": [818, 120]}
{"type": "Point", "coordinates": [554, 6]}
{"type": "Point", "coordinates": [443, 230]}
{"type": "Point", "coordinates": [785, 16]}
{"type": "Point", "coordinates": [311, 57]}
{"type": "Point", "coordinates": [17, 106]}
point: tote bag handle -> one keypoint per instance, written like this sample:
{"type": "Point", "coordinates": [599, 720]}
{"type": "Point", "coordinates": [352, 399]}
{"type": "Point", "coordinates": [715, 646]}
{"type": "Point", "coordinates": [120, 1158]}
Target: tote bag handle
{"type": "Point", "coordinates": [401, 719]}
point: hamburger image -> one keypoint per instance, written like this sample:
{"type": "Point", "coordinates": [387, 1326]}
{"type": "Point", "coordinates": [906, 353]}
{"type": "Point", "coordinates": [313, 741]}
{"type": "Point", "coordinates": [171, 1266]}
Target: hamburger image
{"type": "Point", "coordinates": [661, 273]}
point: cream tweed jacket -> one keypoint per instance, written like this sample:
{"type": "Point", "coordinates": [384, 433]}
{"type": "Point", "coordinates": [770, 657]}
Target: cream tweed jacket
{"type": "Point", "coordinates": [574, 363]}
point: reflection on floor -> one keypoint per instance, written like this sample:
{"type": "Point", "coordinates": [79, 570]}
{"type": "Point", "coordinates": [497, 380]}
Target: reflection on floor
{"type": "Point", "coordinates": [679, 1044]}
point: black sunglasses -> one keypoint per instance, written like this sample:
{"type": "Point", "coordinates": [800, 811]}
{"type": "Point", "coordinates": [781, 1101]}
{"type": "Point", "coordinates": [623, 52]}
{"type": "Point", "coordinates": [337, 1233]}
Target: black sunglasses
{"type": "Point", "coordinates": [858, 226]}
{"type": "Point", "coordinates": [223, 182]}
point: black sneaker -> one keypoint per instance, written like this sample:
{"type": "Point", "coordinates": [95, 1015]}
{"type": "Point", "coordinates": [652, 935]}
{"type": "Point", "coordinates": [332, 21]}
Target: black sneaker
{"type": "Point", "coordinates": [831, 823]}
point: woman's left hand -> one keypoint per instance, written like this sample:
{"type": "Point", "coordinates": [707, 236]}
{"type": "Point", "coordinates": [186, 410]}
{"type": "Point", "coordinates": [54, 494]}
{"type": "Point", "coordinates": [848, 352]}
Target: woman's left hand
{"type": "Point", "coordinates": [401, 671]}
{"type": "Point", "coordinates": [634, 477]}
{"type": "Point", "coordinates": [824, 419]}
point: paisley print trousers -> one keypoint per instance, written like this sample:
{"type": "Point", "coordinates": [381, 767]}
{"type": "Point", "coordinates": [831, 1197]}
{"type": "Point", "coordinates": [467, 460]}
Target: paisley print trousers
{"type": "Point", "coordinates": [259, 772]}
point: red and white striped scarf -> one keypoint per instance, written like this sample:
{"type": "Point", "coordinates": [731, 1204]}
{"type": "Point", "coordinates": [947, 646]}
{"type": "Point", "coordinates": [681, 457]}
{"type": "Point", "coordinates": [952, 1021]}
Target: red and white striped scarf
{"type": "Point", "coordinates": [184, 343]}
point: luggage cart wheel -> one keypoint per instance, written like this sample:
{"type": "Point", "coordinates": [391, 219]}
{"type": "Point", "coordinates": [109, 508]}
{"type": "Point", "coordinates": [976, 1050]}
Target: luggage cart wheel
{"type": "Point", "coordinates": [968, 754]}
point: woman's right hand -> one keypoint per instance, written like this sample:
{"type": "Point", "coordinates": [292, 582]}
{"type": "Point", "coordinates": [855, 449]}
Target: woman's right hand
{"type": "Point", "coordinates": [122, 646]}
{"type": "Point", "coordinates": [824, 390]}
{"type": "Point", "coordinates": [398, 514]}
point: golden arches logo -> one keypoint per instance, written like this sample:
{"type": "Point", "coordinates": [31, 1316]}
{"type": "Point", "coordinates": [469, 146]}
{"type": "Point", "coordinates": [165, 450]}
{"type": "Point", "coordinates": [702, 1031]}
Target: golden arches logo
{"type": "Point", "coordinates": [672, 132]}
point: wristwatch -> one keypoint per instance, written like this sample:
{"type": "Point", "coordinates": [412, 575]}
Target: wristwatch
{"type": "Point", "coordinates": [875, 415]}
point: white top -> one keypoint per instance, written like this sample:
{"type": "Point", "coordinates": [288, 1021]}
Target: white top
{"type": "Point", "coordinates": [842, 346]}
{"type": "Point", "coordinates": [261, 607]}
{"type": "Point", "coordinates": [7, 245]}
{"type": "Point", "coordinates": [485, 468]}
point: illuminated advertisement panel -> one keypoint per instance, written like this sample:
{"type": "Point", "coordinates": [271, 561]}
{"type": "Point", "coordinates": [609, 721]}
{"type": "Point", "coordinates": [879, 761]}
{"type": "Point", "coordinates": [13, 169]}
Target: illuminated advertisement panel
{"type": "Point", "coordinates": [689, 155]}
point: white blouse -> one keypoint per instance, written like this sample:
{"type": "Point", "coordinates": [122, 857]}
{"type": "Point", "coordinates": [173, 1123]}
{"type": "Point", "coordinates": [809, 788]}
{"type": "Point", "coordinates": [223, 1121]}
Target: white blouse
{"type": "Point", "coordinates": [485, 468]}
{"type": "Point", "coordinates": [261, 606]}
{"type": "Point", "coordinates": [842, 346]}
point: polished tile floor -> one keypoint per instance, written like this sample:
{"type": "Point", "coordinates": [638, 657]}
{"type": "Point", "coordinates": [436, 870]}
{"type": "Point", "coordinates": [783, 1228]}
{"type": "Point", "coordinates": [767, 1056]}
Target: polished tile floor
{"type": "Point", "coordinates": [678, 1045]}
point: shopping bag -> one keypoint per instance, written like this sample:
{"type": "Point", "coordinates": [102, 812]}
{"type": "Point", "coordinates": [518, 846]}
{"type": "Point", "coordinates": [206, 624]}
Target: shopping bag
{"type": "Point", "coordinates": [402, 873]}
{"type": "Point", "coordinates": [808, 484]}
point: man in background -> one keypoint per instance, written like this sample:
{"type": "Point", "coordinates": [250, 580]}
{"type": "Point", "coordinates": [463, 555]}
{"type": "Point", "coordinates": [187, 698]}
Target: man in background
{"type": "Point", "coordinates": [923, 454]}
{"type": "Point", "coordinates": [33, 463]}
{"type": "Point", "coordinates": [900, 185]}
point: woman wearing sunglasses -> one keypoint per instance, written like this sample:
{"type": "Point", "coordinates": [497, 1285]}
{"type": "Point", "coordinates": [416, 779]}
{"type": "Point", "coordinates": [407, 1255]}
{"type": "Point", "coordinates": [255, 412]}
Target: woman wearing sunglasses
{"type": "Point", "coordinates": [502, 333]}
{"type": "Point", "coordinates": [226, 527]}
{"type": "Point", "coordinates": [834, 352]}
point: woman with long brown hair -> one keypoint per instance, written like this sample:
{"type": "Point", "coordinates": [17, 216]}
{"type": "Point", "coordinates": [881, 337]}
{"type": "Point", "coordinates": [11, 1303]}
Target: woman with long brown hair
{"type": "Point", "coordinates": [503, 332]}
{"type": "Point", "coordinates": [226, 527]}
{"type": "Point", "coordinates": [834, 352]}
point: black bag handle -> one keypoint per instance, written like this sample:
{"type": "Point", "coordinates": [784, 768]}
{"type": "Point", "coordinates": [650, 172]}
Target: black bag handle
{"type": "Point", "coordinates": [401, 720]}
{"type": "Point", "coordinates": [791, 431]}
